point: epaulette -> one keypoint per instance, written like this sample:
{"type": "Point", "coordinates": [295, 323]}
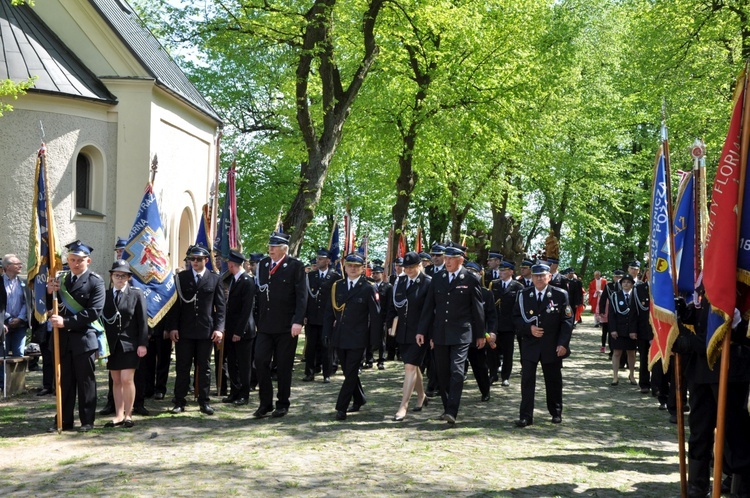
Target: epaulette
{"type": "Point", "coordinates": [94, 274]}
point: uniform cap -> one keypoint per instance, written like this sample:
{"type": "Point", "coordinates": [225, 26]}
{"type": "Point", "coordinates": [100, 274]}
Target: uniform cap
{"type": "Point", "coordinates": [411, 259]}
{"type": "Point", "coordinates": [236, 257]}
{"type": "Point", "coordinates": [278, 239]}
{"type": "Point", "coordinates": [122, 266]}
{"type": "Point", "coordinates": [79, 248]}
{"type": "Point", "coordinates": [539, 269]}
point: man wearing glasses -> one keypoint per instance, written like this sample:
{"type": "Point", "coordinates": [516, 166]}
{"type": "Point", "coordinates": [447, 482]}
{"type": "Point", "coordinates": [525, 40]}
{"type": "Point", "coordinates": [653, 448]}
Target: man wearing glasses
{"type": "Point", "coordinates": [195, 323]}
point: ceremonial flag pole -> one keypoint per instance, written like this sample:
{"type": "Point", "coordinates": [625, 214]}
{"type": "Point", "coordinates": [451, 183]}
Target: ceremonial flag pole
{"type": "Point", "coordinates": [45, 262]}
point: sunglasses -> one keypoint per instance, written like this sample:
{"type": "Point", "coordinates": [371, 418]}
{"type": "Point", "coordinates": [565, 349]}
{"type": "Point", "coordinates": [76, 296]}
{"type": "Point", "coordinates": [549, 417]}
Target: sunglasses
{"type": "Point", "coordinates": [196, 258]}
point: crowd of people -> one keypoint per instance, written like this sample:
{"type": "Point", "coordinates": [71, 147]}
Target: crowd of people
{"type": "Point", "coordinates": [438, 314]}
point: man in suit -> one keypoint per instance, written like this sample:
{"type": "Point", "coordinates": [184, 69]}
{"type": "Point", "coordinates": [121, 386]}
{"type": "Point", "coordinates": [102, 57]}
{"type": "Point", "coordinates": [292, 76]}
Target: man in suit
{"type": "Point", "coordinates": [282, 304]}
{"type": "Point", "coordinates": [82, 294]}
{"type": "Point", "coordinates": [319, 283]}
{"type": "Point", "coordinates": [437, 251]}
{"type": "Point", "coordinates": [575, 293]}
{"type": "Point", "coordinates": [195, 324]}
{"type": "Point", "coordinates": [16, 305]}
{"type": "Point", "coordinates": [239, 330]}
{"type": "Point", "coordinates": [505, 290]}
{"type": "Point", "coordinates": [544, 320]}
{"type": "Point", "coordinates": [645, 331]}
{"type": "Point", "coordinates": [452, 319]}
{"type": "Point", "coordinates": [525, 277]}
{"type": "Point", "coordinates": [352, 321]}
{"type": "Point", "coordinates": [478, 358]}
{"type": "Point", "coordinates": [492, 272]}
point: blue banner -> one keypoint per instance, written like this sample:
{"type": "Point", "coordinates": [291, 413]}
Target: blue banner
{"type": "Point", "coordinates": [334, 248]}
{"type": "Point", "coordinates": [148, 255]}
{"type": "Point", "coordinates": [202, 238]}
{"type": "Point", "coordinates": [684, 236]}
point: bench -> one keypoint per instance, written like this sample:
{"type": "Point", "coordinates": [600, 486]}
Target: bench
{"type": "Point", "coordinates": [15, 373]}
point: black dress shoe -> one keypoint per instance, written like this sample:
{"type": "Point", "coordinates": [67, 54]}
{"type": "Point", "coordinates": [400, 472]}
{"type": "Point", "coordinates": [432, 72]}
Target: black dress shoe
{"type": "Point", "coordinates": [340, 415]}
{"type": "Point", "coordinates": [177, 409]}
{"type": "Point", "coordinates": [308, 378]}
{"type": "Point", "coordinates": [279, 412]}
{"type": "Point", "coordinates": [141, 410]}
{"type": "Point", "coordinates": [45, 392]}
{"type": "Point", "coordinates": [206, 408]}
{"type": "Point", "coordinates": [430, 393]}
{"type": "Point", "coordinates": [228, 399]}
{"type": "Point", "coordinates": [326, 380]}
{"type": "Point", "coordinates": [367, 365]}
{"type": "Point", "coordinates": [128, 423]}
{"type": "Point", "coordinates": [381, 366]}
{"type": "Point", "coordinates": [241, 401]}
{"type": "Point", "coordinates": [107, 410]}
{"type": "Point", "coordinates": [449, 418]}
{"type": "Point", "coordinates": [557, 419]}
{"type": "Point", "coordinates": [673, 419]}
{"type": "Point", "coordinates": [485, 398]}
{"type": "Point", "coordinates": [524, 422]}
{"type": "Point", "coordinates": [65, 428]}
{"type": "Point", "coordinates": [262, 412]}
{"type": "Point", "coordinates": [110, 424]}
{"type": "Point", "coordinates": [398, 418]}
{"type": "Point", "coordinates": [158, 396]}
{"type": "Point", "coordinates": [355, 408]}
{"type": "Point", "coordinates": [85, 428]}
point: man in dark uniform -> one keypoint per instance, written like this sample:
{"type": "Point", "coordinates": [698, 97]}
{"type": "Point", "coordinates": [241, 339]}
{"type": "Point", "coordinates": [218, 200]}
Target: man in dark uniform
{"type": "Point", "coordinates": [385, 295]}
{"type": "Point", "coordinates": [282, 305]}
{"type": "Point", "coordinates": [645, 332]}
{"type": "Point", "coordinates": [556, 278]}
{"type": "Point", "coordinates": [478, 358]}
{"type": "Point", "coordinates": [239, 330]}
{"type": "Point", "coordinates": [319, 283]}
{"type": "Point", "coordinates": [505, 290]}
{"type": "Point", "coordinates": [492, 272]}
{"type": "Point", "coordinates": [452, 319]}
{"type": "Point", "coordinates": [352, 321]}
{"type": "Point", "coordinates": [703, 383]}
{"type": "Point", "coordinates": [525, 277]}
{"type": "Point", "coordinates": [426, 260]}
{"type": "Point", "coordinates": [398, 264]}
{"type": "Point", "coordinates": [195, 323]}
{"type": "Point", "coordinates": [82, 295]}
{"type": "Point", "coordinates": [545, 322]}
{"type": "Point", "coordinates": [438, 260]}
{"type": "Point", "coordinates": [575, 292]}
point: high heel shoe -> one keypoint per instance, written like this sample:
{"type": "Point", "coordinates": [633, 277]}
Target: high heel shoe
{"type": "Point", "coordinates": [615, 383]}
{"type": "Point", "coordinates": [424, 403]}
{"type": "Point", "coordinates": [398, 418]}
{"type": "Point", "coordinates": [632, 381]}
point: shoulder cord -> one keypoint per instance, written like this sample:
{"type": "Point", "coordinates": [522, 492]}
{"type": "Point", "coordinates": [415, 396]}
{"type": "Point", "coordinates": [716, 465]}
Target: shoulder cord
{"type": "Point", "coordinates": [638, 301]}
{"type": "Point", "coordinates": [313, 295]}
{"type": "Point", "coordinates": [334, 303]}
{"type": "Point", "coordinates": [114, 318]}
{"type": "Point", "coordinates": [616, 305]}
{"type": "Point", "coordinates": [526, 319]}
{"type": "Point", "coordinates": [179, 291]}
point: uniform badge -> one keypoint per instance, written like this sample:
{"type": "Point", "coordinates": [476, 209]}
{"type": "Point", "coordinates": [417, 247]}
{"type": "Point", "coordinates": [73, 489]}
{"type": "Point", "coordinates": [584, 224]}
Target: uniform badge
{"type": "Point", "coordinates": [284, 265]}
{"type": "Point", "coordinates": [568, 311]}
{"type": "Point", "coordinates": [621, 303]}
{"type": "Point", "coordinates": [549, 294]}
{"type": "Point", "coordinates": [531, 312]}
{"type": "Point", "coordinates": [461, 276]}
{"type": "Point", "coordinates": [266, 264]}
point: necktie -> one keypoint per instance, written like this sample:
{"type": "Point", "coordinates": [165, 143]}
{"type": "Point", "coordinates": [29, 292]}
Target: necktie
{"type": "Point", "coordinates": [197, 279]}
{"type": "Point", "coordinates": [505, 285]}
{"type": "Point", "coordinates": [273, 265]}
{"type": "Point", "coordinates": [73, 280]}
{"type": "Point", "coordinates": [539, 297]}
{"type": "Point", "coordinates": [117, 297]}
{"type": "Point", "coordinates": [528, 283]}
{"type": "Point", "coordinates": [452, 276]}
{"type": "Point", "coordinates": [408, 283]}
{"type": "Point", "coordinates": [351, 285]}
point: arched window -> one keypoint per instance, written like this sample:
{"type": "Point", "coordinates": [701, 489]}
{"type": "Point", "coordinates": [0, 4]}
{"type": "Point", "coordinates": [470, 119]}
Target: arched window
{"type": "Point", "coordinates": [90, 183]}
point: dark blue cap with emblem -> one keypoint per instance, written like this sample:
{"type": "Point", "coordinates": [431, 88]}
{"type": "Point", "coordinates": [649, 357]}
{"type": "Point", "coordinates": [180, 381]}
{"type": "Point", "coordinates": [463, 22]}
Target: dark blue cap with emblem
{"type": "Point", "coordinates": [236, 257]}
{"type": "Point", "coordinates": [473, 267]}
{"type": "Point", "coordinates": [454, 250]}
{"type": "Point", "coordinates": [398, 261]}
{"type": "Point", "coordinates": [634, 264]}
{"type": "Point", "coordinates": [354, 259]}
{"type": "Point", "coordinates": [618, 273]}
{"type": "Point", "coordinates": [198, 250]}
{"type": "Point", "coordinates": [378, 269]}
{"type": "Point", "coordinates": [121, 243]}
{"type": "Point", "coordinates": [411, 259]}
{"type": "Point", "coordinates": [494, 255]}
{"type": "Point", "coordinates": [323, 253]}
{"type": "Point", "coordinates": [527, 263]}
{"type": "Point", "coordinates": [539, 269]}
{"type": "Point", "coordinates": [508, 264]}
{"type": "Point", "coordinates": [78, 248]}
{"type": "Point", "coordinates": [255, 257]}
{"type": "Point", "coordinates": [553, 261]}
{"type": "Point", "coordinates": [437, 249]}
{"type": "Point", "coordinates": [424, 256]}
{"type": "Point", "coordinates": [278, 239]}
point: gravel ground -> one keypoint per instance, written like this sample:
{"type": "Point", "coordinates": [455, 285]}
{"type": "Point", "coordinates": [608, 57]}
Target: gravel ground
{"type": "Point", "coordinates": [613, 442]}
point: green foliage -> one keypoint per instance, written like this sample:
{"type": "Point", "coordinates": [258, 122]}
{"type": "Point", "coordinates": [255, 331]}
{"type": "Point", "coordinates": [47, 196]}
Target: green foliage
{"type": "Point", "coordinates": [10, 89]}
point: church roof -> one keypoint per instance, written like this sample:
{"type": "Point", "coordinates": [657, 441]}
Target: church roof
{"type": "Point", "coordinates": [28, 48]}
{"type": "Point", "coordinates": [151, 54]}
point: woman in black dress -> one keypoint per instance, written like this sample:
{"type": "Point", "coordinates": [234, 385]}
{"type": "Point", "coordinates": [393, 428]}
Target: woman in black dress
{"type": "Point", "coordinates": [126, 325]}
{"type": "Point", "coordinates": [403, 318]}
{"type": "Point", "coordinates": [623, 328]}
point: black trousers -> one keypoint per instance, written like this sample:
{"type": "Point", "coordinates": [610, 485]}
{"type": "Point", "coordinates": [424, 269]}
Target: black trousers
{"type": "Point", "coordinates": [239, 356]}
{"type": "Point", "coordinates": [351, 388]}
{"type": "Point", "coordinates": [77, 377]}
{"type": "Point", "coordinates": [644, 376]}
{"type": "Point", "coordinates": [478, 362]}
{"type": "Point", "coordinates": [156, 362]}
{"type": "Point", "coordinates": [429, 363]}
{"type": "Point", "coordinates": [281, 348]}
{"type": "Point", "coordinates": [552, 384]}
{"type": "Point", "coordinates": [450, 363]}
{"type": "Point", "coordinates": [189, 351]}
{"type": "Point", "coordinates": [316, 353]}
{"type": "Point", "coordinates": [48, 365]}
{"type": "Point", "coordinates": [702, 421]}
{"type": "Point", "coordinates": [505, 346]}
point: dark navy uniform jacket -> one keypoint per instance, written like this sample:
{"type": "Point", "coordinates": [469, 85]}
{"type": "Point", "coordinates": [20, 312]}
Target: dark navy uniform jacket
{"type": "Point", "coordinates": [353, 320]}
{"type": "Point", "coordinates": [553, 314]}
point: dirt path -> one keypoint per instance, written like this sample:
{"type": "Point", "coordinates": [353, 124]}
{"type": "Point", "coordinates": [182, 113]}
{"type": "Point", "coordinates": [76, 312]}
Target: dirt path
{"type": "Point", "coordinates": [613, 442]}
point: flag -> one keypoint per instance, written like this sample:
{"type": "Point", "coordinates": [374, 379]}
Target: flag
{"type": "Point", "coordinates": [148, 255]}
{"type": "Point", "coordinates": [334, 247]}
{"type": "Point", "coordinates": [364, 251]}
{"type": "Point", "coordinates": [203, 239]}
{"type": "Point", "coordinates": [44, 255]}
{"type": "Point", "coordinates": [661, 285]}
{"type": "Point", "coordinates": [228, 235]}
{"type": "Point", "coordinates": [720, 254]}
{"type": "Point", "coordinates": [402, 247]}
{"type": "Point", "coordinates": [684, 234]}
{"type": "Point", "coordinates": [418, 247]}
{"type": "Point", "coordinates": [349, 238]}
